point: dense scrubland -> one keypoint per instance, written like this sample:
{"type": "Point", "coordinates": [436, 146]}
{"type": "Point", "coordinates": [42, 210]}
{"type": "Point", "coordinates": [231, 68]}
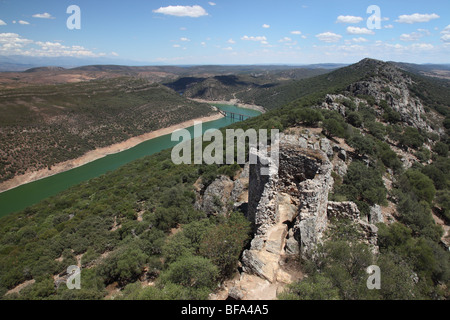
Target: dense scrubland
{"type": "Point", "coordinates": [44, 125]}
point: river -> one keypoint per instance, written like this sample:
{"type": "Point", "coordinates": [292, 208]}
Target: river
{"type": "Point", "coordinates": [31, 193]}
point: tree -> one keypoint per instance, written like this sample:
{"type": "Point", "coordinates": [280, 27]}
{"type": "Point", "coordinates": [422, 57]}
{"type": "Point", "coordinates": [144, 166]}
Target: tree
{"type": "Point", "coordinates": [355, 119]}
{"type": "Point", "coordinates": [333, 128]}
{"type": "Point", "coordinates": [412, 138]}
{"type": "Point", "coordinates": [317, 287]}
{"type": "Point", "coordinates": [344, 264]}
{"type": "Point", "coordinates": [308, 116]}
{"type": "Point", "coordinates": [364, 145]}
{"type": "Point", "coordinates": [397, 278]}
{"type": "Point", "coordinates": [192, 272]}
{"type": "Point", "coordinates": [224, 243]}
{"type": "Point", "coordinates": [177, 246]}
{"type": "Point", "coordinates": [419, 184]}
{"type": "Point", "coordinates": [362, 185]}
{"type": "Point", "coordinates": [441, 149]}
{"type": "Point", "coordinates": [124, 265]}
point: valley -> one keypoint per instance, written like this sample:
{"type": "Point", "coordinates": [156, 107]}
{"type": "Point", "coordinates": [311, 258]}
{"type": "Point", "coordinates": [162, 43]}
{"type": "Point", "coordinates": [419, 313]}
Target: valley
{"type": "Point", "coordinates": [363, 179]}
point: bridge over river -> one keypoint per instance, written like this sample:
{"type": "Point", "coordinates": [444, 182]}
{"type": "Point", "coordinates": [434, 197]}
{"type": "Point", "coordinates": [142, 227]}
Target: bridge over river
{"type": "Point", "coordinates": [234, 115]}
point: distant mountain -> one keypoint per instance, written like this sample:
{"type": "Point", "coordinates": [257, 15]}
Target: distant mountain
{"type": "Point", "coordinates": [22, 63]}
{"type": "Point", "coordinates": [421, 67]}
{"type": "Point", "coordinates": [45, 69]}
{"type": "Point", "coordinates": [247, 79]}
{"type": "Point", "coordinates": [329, 66]}
{"type": "Point", "coordinates": [441, 71]}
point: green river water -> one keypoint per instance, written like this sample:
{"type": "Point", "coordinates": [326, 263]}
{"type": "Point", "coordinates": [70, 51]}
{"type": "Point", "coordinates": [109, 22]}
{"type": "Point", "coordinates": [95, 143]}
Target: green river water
{"type": "Point", "coordinates": [31, 193]}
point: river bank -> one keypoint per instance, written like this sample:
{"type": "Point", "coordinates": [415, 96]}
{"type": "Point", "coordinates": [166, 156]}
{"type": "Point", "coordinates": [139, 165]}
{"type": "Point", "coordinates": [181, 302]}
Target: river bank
{"type": "Point", "coordinates": [233, 102]}
{"type": "Point", "coordinates": [99, 153]}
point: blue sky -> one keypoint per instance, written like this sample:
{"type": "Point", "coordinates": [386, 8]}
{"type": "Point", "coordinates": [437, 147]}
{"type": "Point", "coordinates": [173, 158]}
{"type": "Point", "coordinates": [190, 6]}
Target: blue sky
{"type": "Point", "coordinates": [228, 31]}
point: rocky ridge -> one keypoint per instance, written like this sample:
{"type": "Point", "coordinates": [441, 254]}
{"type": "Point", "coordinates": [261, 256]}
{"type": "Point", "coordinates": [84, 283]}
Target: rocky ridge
{"type": "Point", "coordinates": [386, 83]}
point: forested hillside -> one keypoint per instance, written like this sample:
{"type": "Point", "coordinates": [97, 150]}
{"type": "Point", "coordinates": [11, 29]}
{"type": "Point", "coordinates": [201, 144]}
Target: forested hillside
{"type": "Point", "coordinates": [44, 125]}
{"type": "Point", "coordinates": [230, 86]}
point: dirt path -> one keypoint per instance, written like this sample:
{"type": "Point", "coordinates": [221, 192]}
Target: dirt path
{"type": "Point", "coordinates": [20, 287]}
{"type": "Point", "coordinates": [99, 153]}
{"type": "Point", "coordinates": [446, 236]}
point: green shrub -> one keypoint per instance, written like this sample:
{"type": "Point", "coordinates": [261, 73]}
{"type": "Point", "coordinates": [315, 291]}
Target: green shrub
{"type": "Point", "coordinates": [333, 128]}
{"type": "Point", "coordinates": [125, 265]}
{"type": "Point", "coordinates": [441, 149]}
{"type": "Point", "coordinates": [317, 287]}
{"type": "Point", "coordinates": [224, 243]}
{"type": "Point", "coordinates": [362, 185]}
{"type": "Point", "coordinates": [419, 184]}
{"type": "Point", "coordinates": [192, 272]}
{"type": "Point", "coordinates": [412, 138]}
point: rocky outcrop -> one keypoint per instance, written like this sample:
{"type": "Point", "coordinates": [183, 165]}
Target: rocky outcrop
{"type": "Point", "coordinates": [375, 215]}
{"type": "Point", "coordinates": [385, 82]}
{"type": "Point", "coordinates": [348, 210]}
{"type": "Point", "coordinates": [223, 194]}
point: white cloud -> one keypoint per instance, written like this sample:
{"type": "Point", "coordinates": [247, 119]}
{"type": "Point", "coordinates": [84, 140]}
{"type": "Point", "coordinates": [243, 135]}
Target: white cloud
{"type": "Point", "coordinates": [389, 26]}
{"type": "Point", "coordinates": [288, 41]}
{"type": "Point", "coordinates": [415, 36]}
{"type": "Point", "coordinates": [13, 40]}
{"type": "Point", "coordinates": [23, 22]}
{"type": "Point", "coordinates": [2, 23]}
{"type": "Point", "coordinates": [446, 30]}
{"type": "Point", "coordinates": [211, 3]}
{"type": "Point", "coordinates": [356, 30]}
{"type": "Point", "coordinates": [296, 32]}
{"type": "Point", "coordinates": [329, 37]}
{"type": "Point", "coordinates": [416, 18]}
{"type": "Point", "coordinates": [446, 34]}
{"type": "Point", "coordinates": [14, 44]}
{"type": "Point", "coordinates": [359, 40]}
{"type": "Point", "coordinates": [410, 36]}
{"type": "Point", "coordinates": [115, 54]}
{"type": "Point", "coordinates": [422, 46]}
{"type": "Point", "coordinates": [266, 26]}
{"type": "Point", "coordinates": [44, 15]}
{"type": "Point", "coordinates": [231, 41]}
{"type": "Point", "coordinates": [203, 44]}
{"type": "Point", "coordinates": [183, 28]}
{"type": "Point", "coordinates": [426, 32]}
{"type": "Point", "coordinates": [259, 38]}
{"type": "Point", "coordinates": [183, 11]}
{"type": "Point", "coordinates": [228, 49]}
{"type": "Point", "coordinates": [176, 46]}
{"type": "Point", "coordinates": [49, 44]}
{"type": "Point", "coordinates": [349, 19]}
{"type": "Point", "coordinates": [184, 39]}
{"type": "Point", "coordinates": [285, 39]}
{"type": "Point", "coordinates": [446, 38]}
